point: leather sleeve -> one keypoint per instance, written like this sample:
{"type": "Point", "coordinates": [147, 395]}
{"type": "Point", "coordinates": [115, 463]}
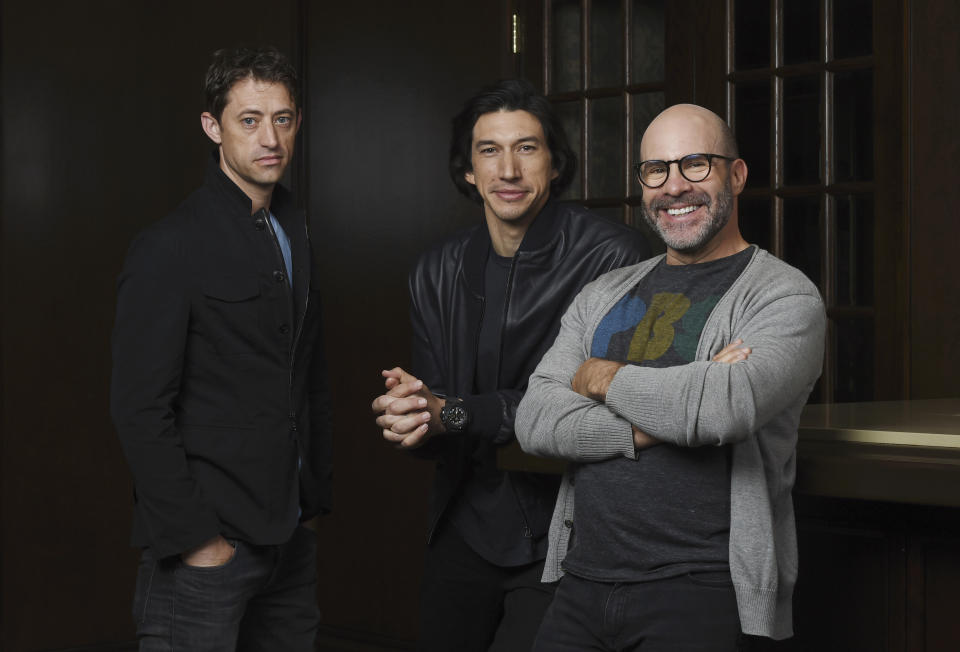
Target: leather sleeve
{"type": "Point", "coordinates": [425, 362]}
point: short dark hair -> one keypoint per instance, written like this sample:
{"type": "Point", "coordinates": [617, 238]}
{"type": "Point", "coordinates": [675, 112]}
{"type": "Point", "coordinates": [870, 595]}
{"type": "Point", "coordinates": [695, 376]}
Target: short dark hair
{"type": "Point", "coordinates": [229, 66]}
{"type": "Point", "coordinates": [510, 95]}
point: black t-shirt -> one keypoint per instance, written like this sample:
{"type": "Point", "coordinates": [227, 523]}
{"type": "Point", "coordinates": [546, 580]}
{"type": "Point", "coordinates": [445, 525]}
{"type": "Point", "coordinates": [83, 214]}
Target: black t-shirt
{"type": "Point", "coordinates": [487, 513]}
{"type": "Point", "coordinates": [667, 512]}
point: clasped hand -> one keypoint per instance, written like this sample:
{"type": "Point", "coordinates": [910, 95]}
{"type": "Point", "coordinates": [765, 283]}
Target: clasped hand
{"type": "Point", "coordinates": [408, 412]}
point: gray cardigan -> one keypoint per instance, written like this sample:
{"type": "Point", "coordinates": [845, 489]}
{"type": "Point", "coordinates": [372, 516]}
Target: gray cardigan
{"type": "Point", "coordinates": [753, 405]}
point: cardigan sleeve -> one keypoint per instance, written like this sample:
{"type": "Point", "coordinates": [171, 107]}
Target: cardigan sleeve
{"type": "Point", "coordinates": [712, 403]}
{"type": "Point", "coordinates": [555, 421]}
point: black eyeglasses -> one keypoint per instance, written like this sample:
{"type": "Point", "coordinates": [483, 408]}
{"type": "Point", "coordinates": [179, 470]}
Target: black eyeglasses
{"type": "Point", "coordinates": [693, 168]}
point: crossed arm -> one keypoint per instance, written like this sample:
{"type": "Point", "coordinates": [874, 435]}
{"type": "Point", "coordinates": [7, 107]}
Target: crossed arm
{"type": "Point", "coordinates": [594, 376]}
{"type": "Point", "coordinates": [696, 404]}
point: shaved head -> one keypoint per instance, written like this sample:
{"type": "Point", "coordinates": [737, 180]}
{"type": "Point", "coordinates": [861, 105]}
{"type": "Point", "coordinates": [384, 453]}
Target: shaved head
{"type": "Point", "coordinates": [695, 121]}
{"type": "Point", "coordinates": [697, 220]}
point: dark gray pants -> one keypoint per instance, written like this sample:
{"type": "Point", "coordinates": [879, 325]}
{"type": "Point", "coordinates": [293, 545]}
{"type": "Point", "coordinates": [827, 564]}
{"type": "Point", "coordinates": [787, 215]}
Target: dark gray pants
{"type": "Point", "coordinates": [468, 604]}
{"type": "Point", "coordinates": [693, 612]}
{"type": "Point", "coordinates": [264, 598]}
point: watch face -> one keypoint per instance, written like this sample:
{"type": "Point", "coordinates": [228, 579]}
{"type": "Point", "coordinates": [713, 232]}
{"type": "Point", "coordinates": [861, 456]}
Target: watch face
{"type": "Point", "coordinates": [454, 417]}
{"type": "Point", "coordinates": [458, 417]}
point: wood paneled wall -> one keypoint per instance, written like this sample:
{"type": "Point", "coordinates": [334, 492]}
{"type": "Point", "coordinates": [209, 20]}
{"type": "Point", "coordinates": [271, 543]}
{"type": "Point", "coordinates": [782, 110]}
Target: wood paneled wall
{"type": "Point", "coordinates": [933, 145]}
{"type": "Point", "coordinates": [381, 97]}
{"type": "Point", "coordinates": [101, 136]}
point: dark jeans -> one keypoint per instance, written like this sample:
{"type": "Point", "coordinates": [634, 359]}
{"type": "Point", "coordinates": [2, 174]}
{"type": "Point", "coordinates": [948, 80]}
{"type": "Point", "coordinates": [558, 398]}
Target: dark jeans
{"type": "Point", "coordinates": [264, 598]}
{"type": "Point", "coordinates": [679, 614]}
{"type": "Point", "coordinates": [470, 605]}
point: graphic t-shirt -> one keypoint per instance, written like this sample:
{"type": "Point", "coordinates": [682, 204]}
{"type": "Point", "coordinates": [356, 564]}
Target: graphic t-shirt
{"type": "Point", "coordinates": [667, 512]}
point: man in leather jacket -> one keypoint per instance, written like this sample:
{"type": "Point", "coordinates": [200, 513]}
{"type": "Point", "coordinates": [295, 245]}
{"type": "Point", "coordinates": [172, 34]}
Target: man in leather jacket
{"type": "Point", "coordinates": [219, 393]}
{"type": "Point", "coordinates": [485, 306]}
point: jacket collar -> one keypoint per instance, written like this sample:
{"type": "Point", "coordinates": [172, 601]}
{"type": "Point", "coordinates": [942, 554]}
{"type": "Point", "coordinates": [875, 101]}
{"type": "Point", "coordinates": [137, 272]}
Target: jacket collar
{"type": "Point", "coordinates": [216, 178]}
{"type": "Point", "coordinates": [542, 234]}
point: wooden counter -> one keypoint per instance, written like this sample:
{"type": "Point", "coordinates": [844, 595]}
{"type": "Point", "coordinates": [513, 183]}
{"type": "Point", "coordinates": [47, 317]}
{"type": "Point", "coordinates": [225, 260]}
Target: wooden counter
{"type": "Point", "coordinates": [896, 451]}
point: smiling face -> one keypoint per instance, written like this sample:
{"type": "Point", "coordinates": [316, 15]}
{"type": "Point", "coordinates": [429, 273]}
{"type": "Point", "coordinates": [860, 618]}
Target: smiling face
{"type": "Point", "coordinates": [693, 218]}
{"type": "Point", "coordinates": [511, 166]}
{"type": "Point", "coordinates": [256, 135]}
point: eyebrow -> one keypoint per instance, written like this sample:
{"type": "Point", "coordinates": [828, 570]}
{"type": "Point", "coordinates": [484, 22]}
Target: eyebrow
{"type": "Point", "coordinates": [522, 139]}
{"type": "Point", "coordinates": [254, 111]}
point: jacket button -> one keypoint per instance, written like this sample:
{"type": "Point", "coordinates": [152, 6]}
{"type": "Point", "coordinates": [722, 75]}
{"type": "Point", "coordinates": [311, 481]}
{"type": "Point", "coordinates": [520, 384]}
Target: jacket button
{"type": "Point", "coordinates": [568, 523]}
{"type": "Point", "coordinates": [278, 276]}
{"type": "Point", "coordinates": [284, 329]}
{"type": "Point", "coordinates": [260, 224]}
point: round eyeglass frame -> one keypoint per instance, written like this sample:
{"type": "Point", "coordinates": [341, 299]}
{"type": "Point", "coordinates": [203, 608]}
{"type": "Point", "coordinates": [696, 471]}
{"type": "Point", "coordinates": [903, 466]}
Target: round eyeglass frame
{"type": "Point", "coordinates": [637, 167]}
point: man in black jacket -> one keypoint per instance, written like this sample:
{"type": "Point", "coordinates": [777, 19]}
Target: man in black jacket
{"type": "Point", "coordinates": [218, 389]}
{"type": "Point", "coordinates": [485, 306]}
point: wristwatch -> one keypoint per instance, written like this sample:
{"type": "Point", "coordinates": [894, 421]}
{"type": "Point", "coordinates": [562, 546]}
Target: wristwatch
{"type": "Point", "coordinates": [454, 415]}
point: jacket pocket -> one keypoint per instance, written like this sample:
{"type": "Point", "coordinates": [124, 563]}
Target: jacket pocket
{"type": "Point", "coordinates": [231, 314]}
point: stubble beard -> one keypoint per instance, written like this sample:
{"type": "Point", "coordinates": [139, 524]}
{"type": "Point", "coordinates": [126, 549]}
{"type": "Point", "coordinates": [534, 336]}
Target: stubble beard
{"type": "Point", "coordinates": [691, 238]}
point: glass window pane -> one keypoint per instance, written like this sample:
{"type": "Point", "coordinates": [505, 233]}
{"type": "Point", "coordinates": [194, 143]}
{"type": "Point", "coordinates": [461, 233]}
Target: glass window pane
{"type": "Point", "coordinates": [656, 244]}
{"type": "Point", "coordinates": [801, 130]}
{"type": "Point", "coordinates": [854, 250]}
{"type": "Point", "coordinates": [852, 28]}
{"type": "Point", "coordinates": [755, 219]}
{"type": "Point", "coordinates": [606, 43]}
{"type": "Point", "coordinates": [646, 35]}
{"type": "Point", "coordinates": [753, 130]}
{"type": "Point", "coordinates": [854, 340]}
{"type": "Point", "coordinates": [565, 46]}
{"type": "Point", "coordinates": [801, 235]}
{"type": "Point", "coordinates": [644, 107]}
{"type": "Point", "coordinates": [605, 158]}
{"type": "Point", "coordinates": [853, 125]}
{"type": "Point", "coordinates": [571, 117]}
{"type": "Point", "coordinates": [801, 31]}
{"type": "Point", "coordinates": [752, 38]}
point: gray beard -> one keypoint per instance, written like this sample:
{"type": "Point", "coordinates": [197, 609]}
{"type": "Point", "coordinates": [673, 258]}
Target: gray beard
{"type": "Point", "coordinates": [681, 239]}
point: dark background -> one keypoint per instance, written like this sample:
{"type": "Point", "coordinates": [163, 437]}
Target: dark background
{"type": "Point", "coordinates": [101, 136]}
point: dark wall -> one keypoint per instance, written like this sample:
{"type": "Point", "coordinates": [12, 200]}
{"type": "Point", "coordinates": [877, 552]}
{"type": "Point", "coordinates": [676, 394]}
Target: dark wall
{"type": "Point", "coordinates": [933, 197]}
{"type": "Point", "coordinates": [101, 135]}
{"type": "Point", "coordinates": [382, 93]}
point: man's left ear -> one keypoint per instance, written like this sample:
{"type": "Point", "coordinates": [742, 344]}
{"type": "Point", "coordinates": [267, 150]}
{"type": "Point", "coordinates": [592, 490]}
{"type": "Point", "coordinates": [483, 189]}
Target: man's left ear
{"type": "Point", "coordinates": [738, 176]}
{"type": "Point", "coordinates": [556, 173]}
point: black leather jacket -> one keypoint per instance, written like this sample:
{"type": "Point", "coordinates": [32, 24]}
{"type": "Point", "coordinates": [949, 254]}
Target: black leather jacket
{"type": "Point", "coordinates": [565, 248]}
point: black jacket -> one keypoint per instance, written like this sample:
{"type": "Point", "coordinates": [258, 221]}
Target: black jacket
{"type": "Point", "coordinates": [565, 248]}
{"type": "Point", "coordinates": [218, 389]}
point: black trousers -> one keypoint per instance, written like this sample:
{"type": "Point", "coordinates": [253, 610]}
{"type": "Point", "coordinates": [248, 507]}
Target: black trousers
{"type": "Point", "coordinates": [470, 605]}
{"type": "Point", "coordinates": [264, 599]}
{"type": "Point", "coordinates": [693, 612]}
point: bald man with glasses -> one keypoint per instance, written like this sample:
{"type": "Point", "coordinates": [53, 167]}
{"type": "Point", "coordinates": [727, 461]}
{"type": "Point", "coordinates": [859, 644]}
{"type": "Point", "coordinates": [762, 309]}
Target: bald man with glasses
{"type": "Point", "coordinates": [675, 387]}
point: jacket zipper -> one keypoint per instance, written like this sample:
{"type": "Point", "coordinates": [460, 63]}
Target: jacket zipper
{"type": "Point", "coordinates": [527, 532]}
{"type": "Point", "coordinates": [506, 309]}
